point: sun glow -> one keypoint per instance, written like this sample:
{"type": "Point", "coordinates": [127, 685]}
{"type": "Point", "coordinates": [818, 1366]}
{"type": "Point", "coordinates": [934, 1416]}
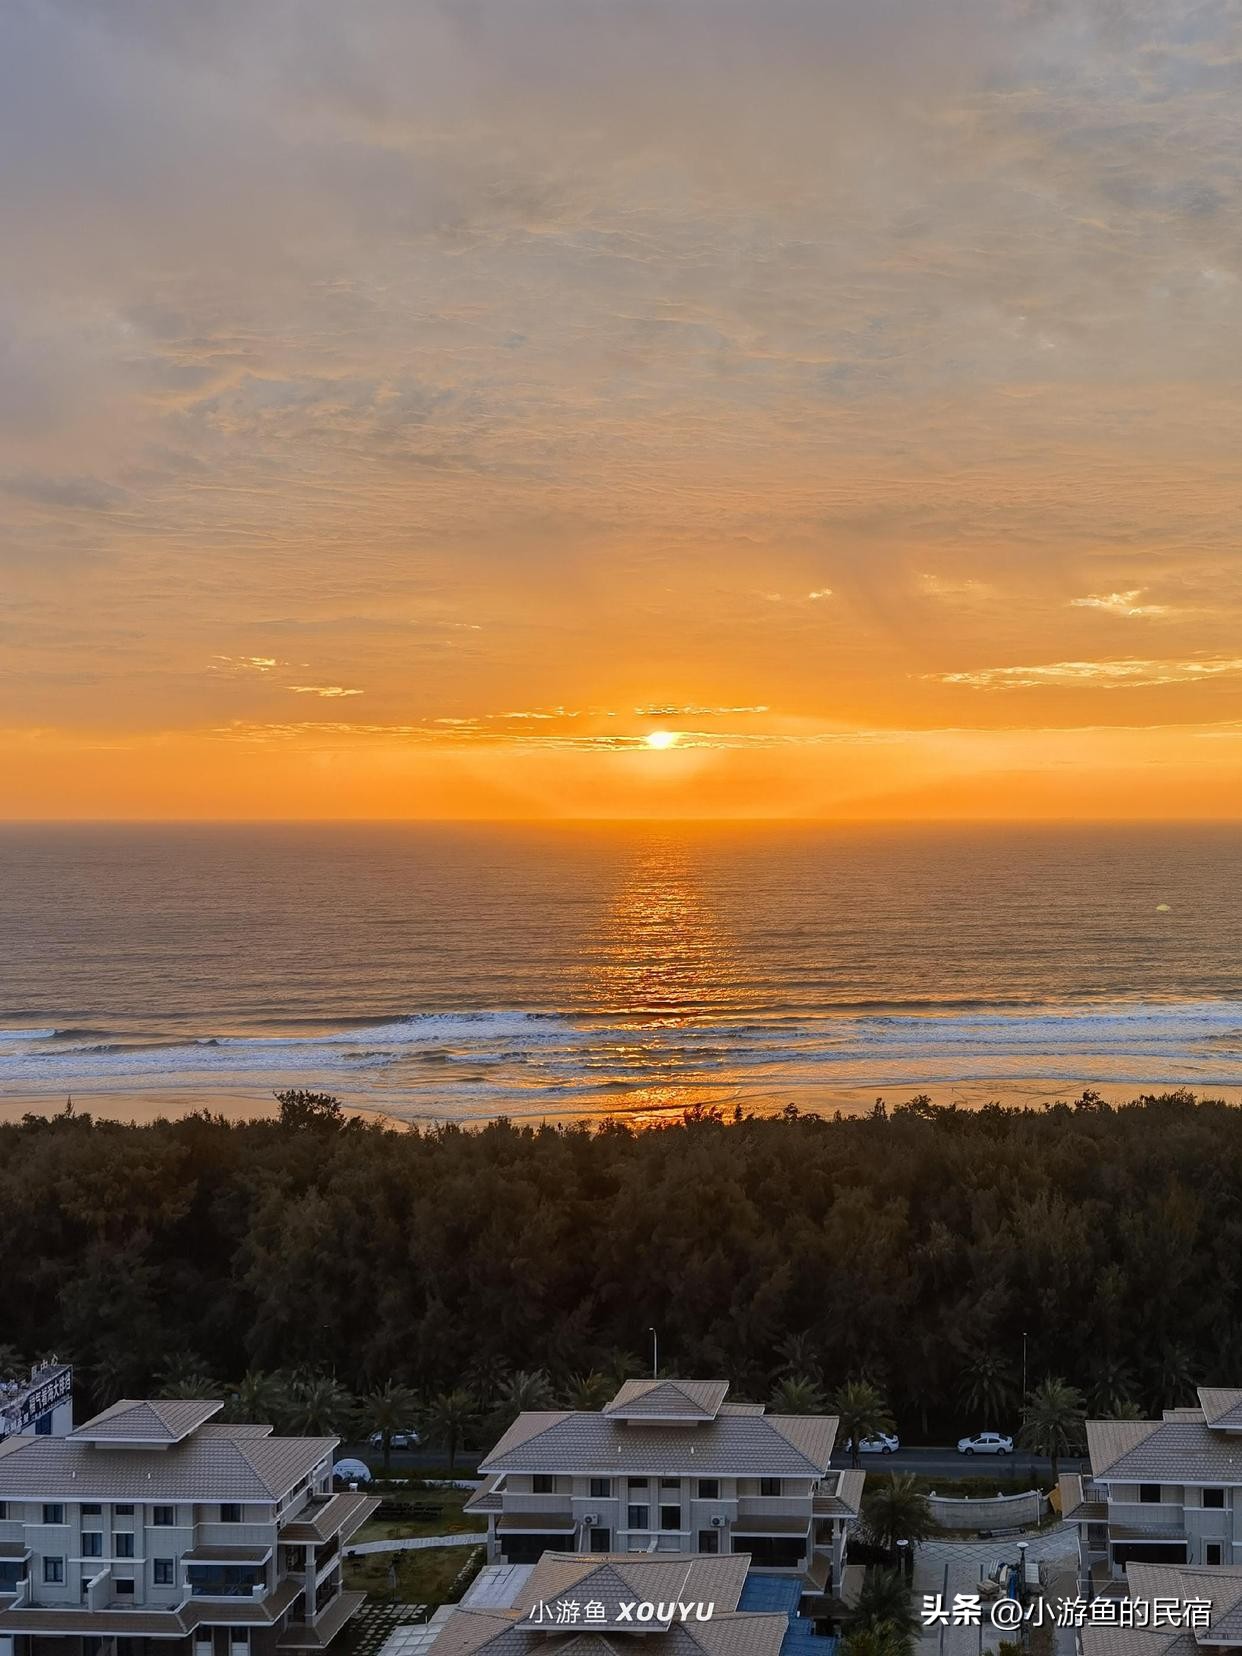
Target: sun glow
{"type": "Point", "coordinates": [662, 739]}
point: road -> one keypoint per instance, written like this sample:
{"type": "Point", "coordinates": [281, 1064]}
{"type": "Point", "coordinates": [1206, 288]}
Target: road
{"type": "Point", "coordinates": [943, 1461]}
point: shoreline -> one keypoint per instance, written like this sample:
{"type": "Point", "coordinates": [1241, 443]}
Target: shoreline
{"type": "Point", "coordinates": [644, 1108]}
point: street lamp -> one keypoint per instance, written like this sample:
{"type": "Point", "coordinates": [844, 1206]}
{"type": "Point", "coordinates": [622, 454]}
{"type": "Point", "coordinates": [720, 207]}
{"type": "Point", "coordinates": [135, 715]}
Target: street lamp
{"type": "Point", "coordinates": [655, 1354]}
{"type": "Point", "coordinates": [903, 1557]}
{"type": "Point", "coordinates": [1024, 1365]}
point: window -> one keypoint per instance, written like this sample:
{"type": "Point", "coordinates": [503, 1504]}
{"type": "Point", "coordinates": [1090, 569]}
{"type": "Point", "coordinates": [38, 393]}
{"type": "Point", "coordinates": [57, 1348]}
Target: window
{"type": "Point", "coordinates": [53, 1512]}
{"type": "Point", "coordinates": [1211, 1553]}
{"type": "Point", "coordinates": [1149, 1492]}
{"type": "Point", "coordinates": [123, 1586]}
{"type": "Point", "coordinates": [670, 1517]}
{"type": "Point", "coordinates": [4, 1509]}
{"type": "Point", "coordinates": [123, 1543]}
{"type": "Point", "coordinates": [91, 1509]}
{"type": "Point", "coordinates": [601, 1540]}
{"type": "Point", "coordinates": [1213, 1497]}
{"type": "Point", "coordinates": [54, 1571]}
{"type": "Point", "coordinates": [670, 1483]}
{"type": "Point", "coordinates": [601, 1488]}
{"type": "Point", "coordinates": [542, 1484]}
{"type": "Point", "coordinates": [163, 1515]}
{"type": "Point", "coordinates": [709, 1541]}
{"type": "Point", "coordinates": [709, 1489]}
{"type": "Point", "coordinates": [769, 1486]}
{"type": "Point", "coordinates": [163, 1576]}
{"type": "Point", "coordinates": [92, 1543]}
{"type": "Point", "coordinates": [638, 1517]}
{"type": "Point", "coordinates": [637, 1483]}
{"type": "Point", "coordinates": [230, 1512]}
{"type": "Point", "coordinates": [124, 1511]}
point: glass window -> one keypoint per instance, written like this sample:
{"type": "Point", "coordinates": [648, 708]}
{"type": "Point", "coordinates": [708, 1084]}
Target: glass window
{"type": "Point", "coordinates": [124, 1511]}
{"type": "Point", "coordinates": [92, 1543]}
{"type": "Point", "coordinates": [1213, 1497]}
{"type": "Point", "coordinates": [670, 1517]}
{"type": "Point", "coordinates": [123, 1586]}
{"type": "Point", "coordinates": [91, 1509]}
{"type": "Point", "coordinates": [53, 1512]}
{"type": "Point", "coordinates": [123, 1544]}
{"type": "Point", "coordinates": [53, 1570]}
{"type": "Point", "coordinates": [1211, 1553]}
{"type": "Point", "coordinates": [163, 1515]}
{"type": "Point", "coordinates": [601, 1488]}
{"type": "Point", "coordinates": [601, 1540]}
{"type": "Point", "coordinates": [163, 1572]}
{"type": "Point", "coordinates": [769, 1486]}
{"type": "Point", "coordinates": [709, 1489]}
{"type": "Point", "coordinates": [670, 1483]}
{"type": "Point", "coordinates": [1149, 1492]}
{"type": "Point", "coordinates": [230, 1512]}
{"type": "Point", "coordinates": [638, 1517]}
{"type": "Point", "coordinates": [709, 1541]}
{"type": "Point", "coordinates": [637, 1483]}
{"type": "Point", "coordinates": [542, 1484]}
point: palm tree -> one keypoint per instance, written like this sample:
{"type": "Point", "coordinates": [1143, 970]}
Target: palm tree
{"type": "Point", "coordinates": [1112, 1387]}
{"type": "Point", "coordinates": [320, 1405]}
{"type": "Point", "coordinates": [620, 1365]}
{"type": "Point", "coordinates": [588, 1391]}
{"type": "Point", "coordinates": [986, 1386]}
{"type": "Point", "coordinates": [447, 1418]}
{"type": "Point", "coordinates": [523, 1391]}
{"type": "Point", "coordinates": [388, 1409]}
{"type": "Point", "coordinates": [1052, 1421]}
{"type": "Point", "coordinates": [882, 1639]}
{"type": "Point", "coordinates": [257, 1398]}
{"type": "Point", "coordinates": [190, 1385]}
{"type": "Point", "coordinates": [861, 1413]}
{"type": "Point", "coordinates": [797, 1395]}
{"type": "Point", "coordinates": [183, 1367]}
{"type": "Point", "coordinates": [799, 1355]}
{"type": "Point", "coordinates": [883, 1606]}
{"type": "Point", "coordinates": [894, 1510]}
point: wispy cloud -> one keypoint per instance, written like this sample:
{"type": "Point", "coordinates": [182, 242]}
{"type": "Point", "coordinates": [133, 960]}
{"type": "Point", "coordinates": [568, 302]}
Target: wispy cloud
{"type": "Point", "coordinates": [1103, 675]}
{"type": "Point", "coordinates": [1120, 603]}
{"type": "Point", "coordinates": [329, 692]}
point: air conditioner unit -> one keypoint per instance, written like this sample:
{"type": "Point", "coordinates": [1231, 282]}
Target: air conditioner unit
{"type": "Point", "coordinates": [591, 1518]}
{"type": "Point", "coordinates": [717, 1522]}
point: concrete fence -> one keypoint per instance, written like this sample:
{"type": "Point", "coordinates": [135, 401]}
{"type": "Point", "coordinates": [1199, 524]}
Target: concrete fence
{"type": "Point", "coordinates": [992, 1512]}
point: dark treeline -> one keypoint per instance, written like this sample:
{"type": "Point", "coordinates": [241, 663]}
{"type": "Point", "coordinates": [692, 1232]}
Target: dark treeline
{"type": "Point", "coordinates": [911, 1248]}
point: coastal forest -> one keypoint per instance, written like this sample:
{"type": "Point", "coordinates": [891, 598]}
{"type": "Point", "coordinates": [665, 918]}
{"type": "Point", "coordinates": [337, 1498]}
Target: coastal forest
{"type": "Point", "coordinates": [943, 1256]}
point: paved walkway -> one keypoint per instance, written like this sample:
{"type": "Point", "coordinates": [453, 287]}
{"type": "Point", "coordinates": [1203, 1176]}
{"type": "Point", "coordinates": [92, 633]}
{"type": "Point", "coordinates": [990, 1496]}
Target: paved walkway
{"type": "Point", "coordinates": [416, 1543]}
{"type": "Point", "coordinates": [949, 1567]}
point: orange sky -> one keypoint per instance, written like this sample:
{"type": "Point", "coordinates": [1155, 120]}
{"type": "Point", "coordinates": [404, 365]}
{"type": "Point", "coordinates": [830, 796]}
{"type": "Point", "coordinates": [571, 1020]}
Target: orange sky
{"type": "Point", "coordinates": [408, 415]}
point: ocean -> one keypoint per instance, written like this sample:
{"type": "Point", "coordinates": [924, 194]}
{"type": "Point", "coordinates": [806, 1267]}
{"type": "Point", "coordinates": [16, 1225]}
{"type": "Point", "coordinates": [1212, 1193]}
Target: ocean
{"type": "Point", "coordinates": [460, 972]}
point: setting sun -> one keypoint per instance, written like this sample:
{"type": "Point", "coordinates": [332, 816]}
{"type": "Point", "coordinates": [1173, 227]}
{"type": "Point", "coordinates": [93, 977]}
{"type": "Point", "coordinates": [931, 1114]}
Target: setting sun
{"type": "Point", "coordinates": [662, 738]}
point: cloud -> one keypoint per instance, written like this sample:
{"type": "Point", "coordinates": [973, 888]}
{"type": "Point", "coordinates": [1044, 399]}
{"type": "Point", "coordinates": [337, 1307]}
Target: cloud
{"type": "Point", "coordinates": [330, 692]}
{"type": "Point", "coordinates": [1103, 675]}
{"type": "Point", "coordinates": [1120, 603]}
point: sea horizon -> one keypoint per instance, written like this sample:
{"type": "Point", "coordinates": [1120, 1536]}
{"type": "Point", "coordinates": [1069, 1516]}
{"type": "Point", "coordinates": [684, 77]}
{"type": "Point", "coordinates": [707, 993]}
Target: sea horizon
{"type": "Point", "coordinates": [434, 972]}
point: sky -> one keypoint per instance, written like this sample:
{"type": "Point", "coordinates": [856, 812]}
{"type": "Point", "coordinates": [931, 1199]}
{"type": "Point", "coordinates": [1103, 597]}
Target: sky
{"type": "Point", "coordinates": [411, 408]}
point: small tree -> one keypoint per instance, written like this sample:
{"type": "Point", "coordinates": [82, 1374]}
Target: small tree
{"type": "Point", "coordinates": [894, 1510]}
{"type": "Point", "coordinates": [1053, 1420]}
{"type": "Point", "coordinates": [447, 1419]}
{"type": "Point", "coordinates": [301, 1111]}
{"type": "Point", "coordinates": [882, 1610]}
{"type": "Point", "coordinates": [796, 1394]}
{"type": "Point", "coordinates": [861, 1413]}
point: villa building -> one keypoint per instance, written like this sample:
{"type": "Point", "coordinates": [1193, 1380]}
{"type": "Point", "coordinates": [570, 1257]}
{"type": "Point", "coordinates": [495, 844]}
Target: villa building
{"type": "Point", "coordinates": [41, 1403]}
{"type": "Point", "coordinates": [669, 1466]}
{"type": "Point", "coordinates": [1165, 1491]}
{"type": "Point", "coordinates": [154, 1531]}
{"type": "Point", "coordinates": [575, 1604]}
{"type": "Point", "coordinates": [1174, 1610]}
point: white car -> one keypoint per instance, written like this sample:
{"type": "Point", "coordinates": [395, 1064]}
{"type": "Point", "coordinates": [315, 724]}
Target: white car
{"type": "Point", "coordinates": [985, 1443]}
{"type": "Point", "coordinates": [884, 1444]}
{"type": "Point", "coordinates": [400, 1440]}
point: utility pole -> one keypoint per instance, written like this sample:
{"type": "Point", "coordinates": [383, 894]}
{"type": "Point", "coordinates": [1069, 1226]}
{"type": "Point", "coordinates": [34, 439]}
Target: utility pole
{"type": "Point", "coordinates": [655, 1354]}
{"type": "Point", "coordinates": [1024, 1365]}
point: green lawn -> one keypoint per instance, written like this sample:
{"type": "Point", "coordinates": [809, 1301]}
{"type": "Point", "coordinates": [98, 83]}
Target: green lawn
{"type": "Point", "coordinates": [452, 1520]}
{"type": "Point", "coordinates": [422, 1577]}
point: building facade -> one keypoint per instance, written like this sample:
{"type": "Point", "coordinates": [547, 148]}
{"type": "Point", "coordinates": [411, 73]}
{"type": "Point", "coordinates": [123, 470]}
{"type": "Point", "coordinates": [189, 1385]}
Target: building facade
{"type": "Point", "coordinates": [42, 1403]}
{"type": "Point", "coordinates": [1165, 1491]}
{"type": "Point", "coordinates": [151, 1530]}
{"type": "Point", "coordinates": [670, 1466]}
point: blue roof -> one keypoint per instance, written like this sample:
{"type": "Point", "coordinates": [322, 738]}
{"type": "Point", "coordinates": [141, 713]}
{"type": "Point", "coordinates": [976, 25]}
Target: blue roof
{"type": "Point", "coordinates": [764, 1592]}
